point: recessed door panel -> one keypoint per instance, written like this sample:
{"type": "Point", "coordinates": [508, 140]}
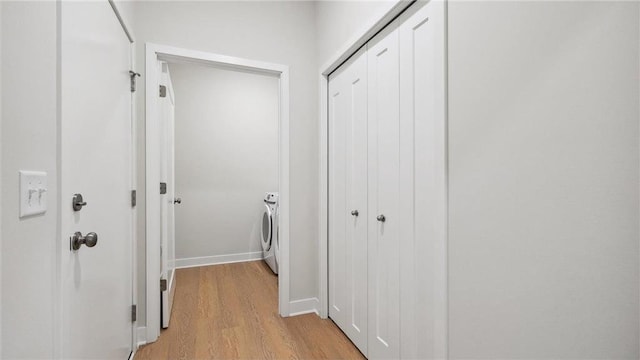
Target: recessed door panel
{"type": "Point", "coordinates": [384, 187]}
{"type": "Point", "coordinates": [348, 199]}
{"type": "Point", "coordinates": [357, 202]}
{"type": "Point", "coordinates": [338, 105]}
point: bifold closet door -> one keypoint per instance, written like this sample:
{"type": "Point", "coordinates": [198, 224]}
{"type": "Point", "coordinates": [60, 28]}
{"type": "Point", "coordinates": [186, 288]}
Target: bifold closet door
{"type": "Point", "coordinates": [387, 167]}
{"type": "Point", "coordinates": [423, 183]}
{"type": "Point", "coordinates": [348, 199]}
{"type": "Point", "coordinates": [384, 187]}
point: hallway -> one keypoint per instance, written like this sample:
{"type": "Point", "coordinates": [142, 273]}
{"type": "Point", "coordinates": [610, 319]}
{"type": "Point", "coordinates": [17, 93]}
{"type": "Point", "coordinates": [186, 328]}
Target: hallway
{"type": "Point", "coordinates": [230, 312]}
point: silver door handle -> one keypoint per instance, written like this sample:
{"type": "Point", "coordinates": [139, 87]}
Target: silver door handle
{"type": "Point", "coordinates": [381, 218]}
{"type": "Point", "coordinates": [177, 201]}
{"type": "Point", "coordinates": [77, 240]}
{"type": "Point", "coordinates": [355, 213]}
{"type": "Point", "coordinates": [78, 202]}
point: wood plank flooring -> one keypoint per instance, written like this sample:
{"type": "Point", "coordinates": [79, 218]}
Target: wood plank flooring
{"type": "Point", "coordinates": [231, 312]}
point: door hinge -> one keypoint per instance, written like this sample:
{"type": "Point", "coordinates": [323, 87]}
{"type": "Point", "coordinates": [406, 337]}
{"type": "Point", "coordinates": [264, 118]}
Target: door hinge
{"type": "Point", "coordinates": [134, 313]}
{"type": "Point", "coordinates": [133, 75]}
{"type": "Point", "coordinates": [163, 188]}
{"type": "Point", "coordinates": [134, 198]}
{"type": "Point", "coordinates": [163, 284]}
{"type": "Point", "coordinates": [163, 91]}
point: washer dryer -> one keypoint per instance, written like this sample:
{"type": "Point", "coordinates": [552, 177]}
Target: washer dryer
{"type": "Point", "coordinates": [270, 251]}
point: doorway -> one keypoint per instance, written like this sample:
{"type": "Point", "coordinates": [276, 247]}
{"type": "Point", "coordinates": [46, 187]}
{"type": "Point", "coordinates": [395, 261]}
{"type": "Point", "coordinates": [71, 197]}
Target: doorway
{"type": "Point", "coordinates": [159, 161]}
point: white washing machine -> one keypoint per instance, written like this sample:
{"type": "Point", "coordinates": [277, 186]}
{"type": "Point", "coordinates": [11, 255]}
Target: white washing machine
{"type": "Point", "coordinates": [270, 251]}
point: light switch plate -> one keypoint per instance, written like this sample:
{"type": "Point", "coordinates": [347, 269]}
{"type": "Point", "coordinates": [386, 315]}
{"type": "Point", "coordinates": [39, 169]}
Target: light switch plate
{"type": "Point", "coordinates": [33, 193]}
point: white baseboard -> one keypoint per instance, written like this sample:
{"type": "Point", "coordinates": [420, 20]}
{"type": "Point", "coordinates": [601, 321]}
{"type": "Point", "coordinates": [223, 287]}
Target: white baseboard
{"type": "Point", "coordinates": [142, 336]}
{"type": "Point", "coordinates": [218, 259]}
{"type": "Point", "coordinates": [304, 306]}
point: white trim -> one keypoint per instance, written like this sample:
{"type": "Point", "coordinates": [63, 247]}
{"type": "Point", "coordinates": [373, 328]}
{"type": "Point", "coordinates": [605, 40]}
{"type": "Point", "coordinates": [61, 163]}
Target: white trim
{"type": "Point", "coordinates": [443, 286]}
{"type": "Point", "coordinates": [323, 201]}
{"type": "Point", "coordinates": [154, 52]}
{"type": "Point", "coordinates": [142, 336]}
{"type": "Point", "coordinates": [367, 32]}
{"type": "Point", "coordinates": [134, 177]}
{"type": "Point", "coordinates": [152, 203]}
{"type": "Point", "coordinates": [121, 20]}
{"type": "Point", "coordinates": [217, 259]}
{"type": "Point", "coordinates": [283, 197]}
{"type": "Point", "coordinates": [372, 27]}
{"type": "Point", "coordinates": [59, 248]}
{"type": "Point", "coordinates": [304, 306]}
{"type": "Point", "coordinates": [134, 209]}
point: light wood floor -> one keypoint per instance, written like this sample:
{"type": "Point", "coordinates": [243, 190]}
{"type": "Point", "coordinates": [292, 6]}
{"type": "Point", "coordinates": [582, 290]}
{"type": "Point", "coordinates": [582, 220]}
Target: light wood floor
{"type": "Point", "coordinates": [231, 312]}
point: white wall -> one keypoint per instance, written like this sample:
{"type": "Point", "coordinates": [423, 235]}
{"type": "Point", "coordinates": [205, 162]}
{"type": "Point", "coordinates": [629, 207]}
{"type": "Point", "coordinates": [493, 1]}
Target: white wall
{"type": "Point", "coordinates": [226, 133]}
{"type": "Point", "coordinates": [277, 32]}
{"type": "Point", "coordinates": [29, 127]}
{"type": "Point", "coordinates": [543, 126]}
{"type": "Point", "coordinates": [339, 22]}
{"type": "Point", "coordinates": [0, 183]}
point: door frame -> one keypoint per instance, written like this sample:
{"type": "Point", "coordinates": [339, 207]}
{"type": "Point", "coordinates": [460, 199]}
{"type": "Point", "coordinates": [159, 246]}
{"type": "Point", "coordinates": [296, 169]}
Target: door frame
{"type": "Point", "coordinates": [134, 177]}
{"type": "Point", "coordinates": [155, 52]}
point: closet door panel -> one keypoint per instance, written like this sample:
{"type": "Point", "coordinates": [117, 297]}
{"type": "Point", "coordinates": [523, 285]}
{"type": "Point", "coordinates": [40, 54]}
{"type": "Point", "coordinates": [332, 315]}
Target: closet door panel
{"type": "Point", "coordinates": [384, 186]}
{"type": "Point", "coordinates": [356, 85]}
{"type": "Point", "coordinates": [338, 108]}
{"type": "Point", "coordinates": [348, 199]}
{"type": "Point", "coordinates": [423, 183]}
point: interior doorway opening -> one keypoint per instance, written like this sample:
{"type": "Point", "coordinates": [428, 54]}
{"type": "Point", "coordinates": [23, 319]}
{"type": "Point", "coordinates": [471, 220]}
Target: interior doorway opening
{"type": "Point", "coordinates": [163, 63]}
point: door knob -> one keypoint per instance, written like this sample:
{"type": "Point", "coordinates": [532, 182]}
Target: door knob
{"type": "Point", "coordinates": [177, 201]}
{"type": "Point", "coordinates": [90, 240]}
{"type": "Point", "coordinates": [381, 218]}
{"type": "Point", "coordinates": [355, 213]}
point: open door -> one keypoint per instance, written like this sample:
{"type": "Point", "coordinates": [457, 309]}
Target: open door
{"type": "Point", "coordinates": [96, 162]}
{"type": "Point", "coordinates": [168, 200]}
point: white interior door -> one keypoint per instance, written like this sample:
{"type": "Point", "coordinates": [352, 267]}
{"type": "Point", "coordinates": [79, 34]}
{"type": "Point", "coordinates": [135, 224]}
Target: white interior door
{"type": "Point", "coordinates": [96, 161]}
{"type": "Point", "coordinates": [384, 187]}
{"type": "Point", "coordinates": [423, 183]}
{"type": "Point", "coordinates": [167, 176]}
{"type": "Point", "coordinates": [348, 199]}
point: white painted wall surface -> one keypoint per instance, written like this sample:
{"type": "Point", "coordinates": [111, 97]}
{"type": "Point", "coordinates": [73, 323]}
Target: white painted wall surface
{"type": "Point", "coordinates": [29, 126]}
{"type": "Point", "coordinates": [277, 32]}
{"type": "Point", "coordinates": [226, 158]}
{"type": "Point", "coordinates": [0, 183]}
{"type": "Point", "coordinates": [339, 22]}
{"type": "Point", "coordinates": [543, 125]}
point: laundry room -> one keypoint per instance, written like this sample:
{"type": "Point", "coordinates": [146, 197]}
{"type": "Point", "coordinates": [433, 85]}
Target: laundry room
{"type": "Point", "coordinates": [226, 156]}
{"type": "Point", "coordinates": [218, 169]}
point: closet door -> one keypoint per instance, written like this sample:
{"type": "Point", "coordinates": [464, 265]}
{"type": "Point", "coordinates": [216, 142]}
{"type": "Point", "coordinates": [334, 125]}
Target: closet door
{"type": "Point", "coordinates": [348, 199]}
{"type": "Point", "coordinates": [384, 187]}
{"type": "Point", "coordinates": [423, 183]}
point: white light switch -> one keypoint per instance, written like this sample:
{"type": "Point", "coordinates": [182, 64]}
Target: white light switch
{"type": "Point", "coordinates": [33, 193]}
